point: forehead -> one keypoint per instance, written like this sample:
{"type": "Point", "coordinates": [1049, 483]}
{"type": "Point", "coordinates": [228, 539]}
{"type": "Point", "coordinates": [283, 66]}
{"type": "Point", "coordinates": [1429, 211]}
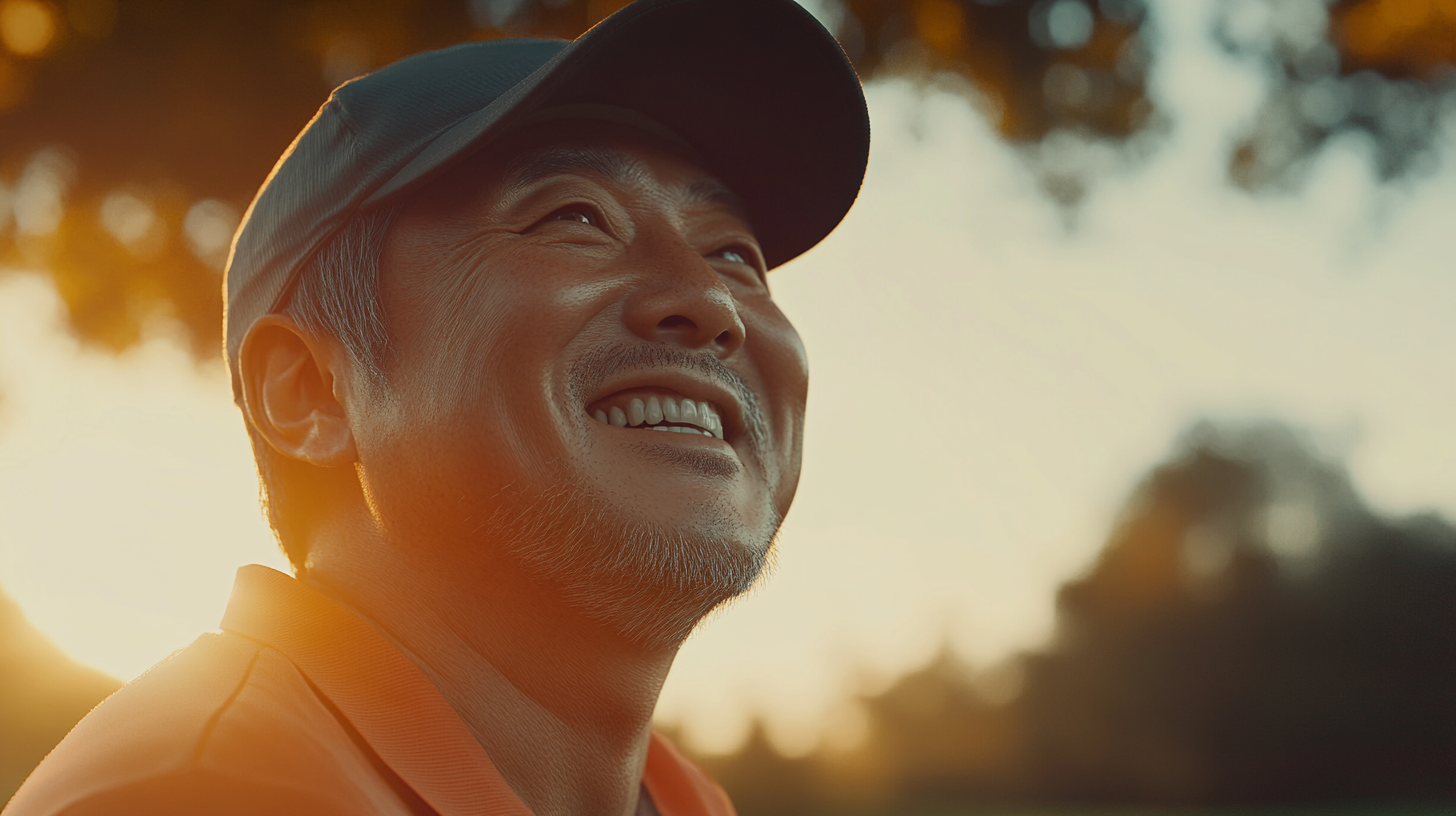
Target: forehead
{"type": "Point", "coordinates": [619, 155]}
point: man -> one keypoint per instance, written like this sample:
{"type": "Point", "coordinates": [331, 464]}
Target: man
{"type": "Point", "coordinates": [524, 412]}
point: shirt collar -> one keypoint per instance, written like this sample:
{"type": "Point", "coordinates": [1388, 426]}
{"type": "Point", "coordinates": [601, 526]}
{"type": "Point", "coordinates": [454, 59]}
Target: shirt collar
{"type": "Point", "coordinates": [398, 711]}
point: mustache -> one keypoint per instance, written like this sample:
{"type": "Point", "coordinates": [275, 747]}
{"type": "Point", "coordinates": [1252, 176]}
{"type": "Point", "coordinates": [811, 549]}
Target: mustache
{"type": "Point", "coordinates": [601, 363]}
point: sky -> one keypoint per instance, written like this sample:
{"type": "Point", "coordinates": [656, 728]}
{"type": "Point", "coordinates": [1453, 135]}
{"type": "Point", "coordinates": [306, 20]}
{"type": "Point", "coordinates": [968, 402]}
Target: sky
{"type": "Point", "coordinates": [987, 387]}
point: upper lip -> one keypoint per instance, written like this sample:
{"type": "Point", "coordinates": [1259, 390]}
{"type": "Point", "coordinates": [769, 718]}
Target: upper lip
{"type": "Point", "coordinates": [694, 387]}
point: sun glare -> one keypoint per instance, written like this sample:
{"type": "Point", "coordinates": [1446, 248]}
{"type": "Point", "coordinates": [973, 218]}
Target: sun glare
{"type": "Point", "coordinates": [126, 490]}
{"type": "Point", "coordinates": [989, 386]}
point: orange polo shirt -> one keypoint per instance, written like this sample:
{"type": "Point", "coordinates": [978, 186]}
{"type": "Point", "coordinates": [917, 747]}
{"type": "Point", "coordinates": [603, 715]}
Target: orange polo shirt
{"type": "Point", "coordinates": [298, 706]}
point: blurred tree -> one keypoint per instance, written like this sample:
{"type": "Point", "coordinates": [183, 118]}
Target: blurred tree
{"type": "Point", "coordinates": [1251, 633]}
{"type": "Point", "coordinates": [42, 694]}
{"type": "Point", "coordinates": [132, 135]}
{"type": "Point", "coordinates": [1382, 70]}
{"type": "Point", "coordinates": [765, 782]}
{"type": "Point", "coordinates": [1063, 79]}
{"type": "Point", "coordinates": [938, 741]}
{"type": "Point", "coordinates": [932, 741]}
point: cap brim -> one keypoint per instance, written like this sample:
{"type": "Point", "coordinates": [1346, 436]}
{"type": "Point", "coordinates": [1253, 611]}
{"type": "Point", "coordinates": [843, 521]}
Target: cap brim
{"type": "Point", "coordinates": [757, 87]}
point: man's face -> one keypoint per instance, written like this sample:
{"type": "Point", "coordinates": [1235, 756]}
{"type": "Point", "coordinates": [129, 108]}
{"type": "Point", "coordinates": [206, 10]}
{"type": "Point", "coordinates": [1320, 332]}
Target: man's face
{"type": "Point", "coordinates": [589, 374]}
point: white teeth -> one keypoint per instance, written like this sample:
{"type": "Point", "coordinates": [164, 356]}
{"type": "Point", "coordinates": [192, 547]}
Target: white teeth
{"type": "Point", "coordinates": [650, 412]}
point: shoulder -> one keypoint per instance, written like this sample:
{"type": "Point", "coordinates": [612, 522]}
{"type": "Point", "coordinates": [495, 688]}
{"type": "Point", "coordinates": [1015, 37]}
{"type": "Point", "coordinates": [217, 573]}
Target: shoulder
{"type": "Point", "coordinates": [679, 786]}
{"type": "Point", "coordinates": [226, 725]}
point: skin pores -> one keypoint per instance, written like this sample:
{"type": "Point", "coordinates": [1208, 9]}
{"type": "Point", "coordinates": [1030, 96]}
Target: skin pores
{"type": "Point", "coordinates": [533, 293]}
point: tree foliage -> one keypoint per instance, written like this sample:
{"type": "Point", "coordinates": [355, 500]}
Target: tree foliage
{"type": "Point", "coordinates": [1380, 70]}
{"type": "Point", "coordinates": [1059, 79]}
{"type": "Point", "coordinates": [133, 134]}
{"type": "Point", "coordinates": [1250, 634]}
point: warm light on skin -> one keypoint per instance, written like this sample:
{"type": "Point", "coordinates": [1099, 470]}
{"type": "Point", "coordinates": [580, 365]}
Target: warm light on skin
{"type": "Point", "coordinates": [566, 267]}
{"type": "Point", "coordinates": [986, 389]}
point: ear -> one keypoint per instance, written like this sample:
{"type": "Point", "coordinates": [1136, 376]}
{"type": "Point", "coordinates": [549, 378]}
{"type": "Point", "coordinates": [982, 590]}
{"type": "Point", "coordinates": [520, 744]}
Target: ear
{"type": "Point", "coordinates": [290, 392]}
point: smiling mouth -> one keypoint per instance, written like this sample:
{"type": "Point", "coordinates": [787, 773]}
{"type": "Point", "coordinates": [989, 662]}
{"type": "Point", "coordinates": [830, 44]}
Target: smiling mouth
{"type": "Point", "coordinates": [658, 409]}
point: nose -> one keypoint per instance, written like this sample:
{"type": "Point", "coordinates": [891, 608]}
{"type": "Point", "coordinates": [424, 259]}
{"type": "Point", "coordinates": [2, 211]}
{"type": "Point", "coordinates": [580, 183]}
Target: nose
{"type": "Point", "coordinates": [681, 299]}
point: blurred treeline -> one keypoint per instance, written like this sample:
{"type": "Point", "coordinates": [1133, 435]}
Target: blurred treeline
{"type": "Point", "coordinates": [42, 694]}
{"type": "Point", "coordinates": [133, 133]}
{"type": "Point", "coordinates": [1251, 633]}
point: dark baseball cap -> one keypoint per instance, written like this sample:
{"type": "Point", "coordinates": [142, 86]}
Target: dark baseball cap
{"type": "Point", "coordinates": [756, 88]}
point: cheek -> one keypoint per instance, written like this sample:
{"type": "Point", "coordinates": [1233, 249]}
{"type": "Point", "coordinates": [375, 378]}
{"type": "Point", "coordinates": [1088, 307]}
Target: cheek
{"type": "Point", "coordinates": [483, 350]}
{"type": "Point", "coordinates": [443, 316]}
{"type": "Point", "coordinates": [779, 355]}
{"type": "Point", "coordinates": [471, 328]}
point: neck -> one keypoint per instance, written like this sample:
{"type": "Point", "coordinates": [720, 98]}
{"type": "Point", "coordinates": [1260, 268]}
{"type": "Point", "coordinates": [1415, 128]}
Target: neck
{"type": "Point", "coordinates": [562, 706]}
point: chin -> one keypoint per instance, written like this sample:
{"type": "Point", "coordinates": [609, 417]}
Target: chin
{"type": "Point", "coordinates": [647, 582]}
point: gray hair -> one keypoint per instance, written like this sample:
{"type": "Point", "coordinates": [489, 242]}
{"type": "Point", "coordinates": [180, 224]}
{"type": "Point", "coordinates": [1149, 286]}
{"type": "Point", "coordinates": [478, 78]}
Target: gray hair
{"type": "Point", "coordinates": [336, 295]}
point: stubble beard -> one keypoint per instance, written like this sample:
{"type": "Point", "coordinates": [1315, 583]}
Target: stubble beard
{"type": "Point", "coordinates": [649, 585]}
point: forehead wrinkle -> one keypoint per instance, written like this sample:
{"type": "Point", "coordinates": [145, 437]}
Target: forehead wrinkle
{"type": "Point", "coordinates": [616, 167]}
{"type": "Point", "coordinates": [533, 166]}
{"type": "Point", "coordinates": [706, 191]}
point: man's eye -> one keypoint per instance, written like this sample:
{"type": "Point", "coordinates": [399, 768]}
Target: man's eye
{"type": "Point", "coordinates": [576, 213]}
{"type": "Point", "coordinates": [738, 254]}
{"type": "Point", "coordinates": [743, 256]}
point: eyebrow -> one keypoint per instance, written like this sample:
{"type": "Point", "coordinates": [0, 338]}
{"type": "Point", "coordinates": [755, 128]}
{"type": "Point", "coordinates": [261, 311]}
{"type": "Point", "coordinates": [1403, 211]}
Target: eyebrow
{"type": "Point", "coordinates": [708, 190]}
{"type": "Point", "coordinates": [537, 165]}
{"type": "Point", "coordinates": [617, 168]}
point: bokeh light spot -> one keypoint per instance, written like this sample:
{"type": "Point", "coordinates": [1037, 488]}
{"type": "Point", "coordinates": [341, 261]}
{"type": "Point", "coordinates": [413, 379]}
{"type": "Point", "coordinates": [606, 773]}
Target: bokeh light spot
{"type": "Point", "coordinates": [26, 26]}
{"type": "Point", "coordinates": [1292, 529]}
{"type": "Point", "coordinates": [7, 206]}
{"type": "Point", "coordinates": [1325, 103]}
{"type": "Point", "coordinates": [209, 227]}
{"type": "Point", "coordinates": [1206, 552]}
{"type": "Point", "coordinates": [1069, 24]}
{"type": "Point", "coordinates": [494, 13]}
{"type": "Point", "coordinates": [1066, 85]}
{"type": "Point", "coordinates": [40, 192]}
{"type": "Point", "coordinates": [127, 217]}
